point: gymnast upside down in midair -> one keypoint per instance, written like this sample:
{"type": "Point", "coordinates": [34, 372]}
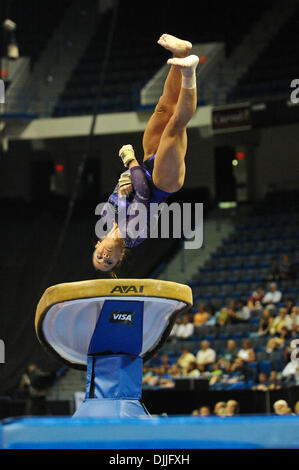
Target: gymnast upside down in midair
{"type": "Point", "coordinates": [164, 143]}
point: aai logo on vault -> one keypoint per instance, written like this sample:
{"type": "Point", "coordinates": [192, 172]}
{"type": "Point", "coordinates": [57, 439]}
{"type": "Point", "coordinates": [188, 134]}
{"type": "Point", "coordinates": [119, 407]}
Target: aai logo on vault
{"type": "Point", "coordinates": [127, 289]}
{"type": "Point", "coordinates": [118, 316]}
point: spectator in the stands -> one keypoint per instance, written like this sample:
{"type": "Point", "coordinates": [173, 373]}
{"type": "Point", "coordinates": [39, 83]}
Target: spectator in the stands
{"type": "Point", "coordinates": [281, 408]}
{"type": "Point", "coordinates": [246, 353]}
{"type": "Point", "coordinates": [175, 370]}
{"type": "Point", "coordinates": [255, 300]}
{"type": "Point", "coordinates": [222, 316]}
{"type": "Point", "coordinates": [147, 375]}
{"type": "Point", "coordinates": [215, 373]}
{"type": "Point", "coordinates": [165, 361]}
{"type": "Point", "coordinates": [212, 318]}
{"type": "Point", "coordinates": [296, 408]}
{"type": "Point", "coordinates": [262, 383]}
{"type": "Point", "coordinates": [204, 411]}
{"type": "Point", "coordinates": [289, 304]}
{"type": "Point", "coordinates": [274, 382]}
{"type": "Point", "coordinates": [172, 335]}
{"type": "Point", "coordinates": [240, 371]}
{"type": "Point", "coordinates": [192, 370]}
{"type": "Point", "coordinates": [185, 329]}
{"type": "Point", "coordinates": [286, 268]}
{"type": "Point", "coordinates": [274, 271]}
{"type": "Point", "coordinates": [156, 377]}
{"type": "Point", "coordinates": [155, 361]}
{"type": "Point", "coordinates": [219, 408]}
{"type": "Point", "coordinates": [185, 359]}
{"type": "Point", "coordinates": [265, 322]}
{"type": "Point", "coordinates": [206, 355]}
{"type": "Point", "coordinates": [231, 351]}
{"type": "Point", "coordinates": [241, 314]}
{"type": "Point", "coordinates": [273, 296]}
{"type": "Point", "coordinates": [232, 311]}
{"type": "Point", "coordinates": [35, 383]}
{"type": "Point", "coordinates": [202, 316]}
{"type": "Point", "coordinates": [232, 408]}
{"type": "Point", "coordinates": [295, 330]}
{"type": "Point", "coordinates": [295, 315]}
{"type": "Point", "coordinates": [280, 321]}
{"type": "Point", "coordinates": [278, 341]}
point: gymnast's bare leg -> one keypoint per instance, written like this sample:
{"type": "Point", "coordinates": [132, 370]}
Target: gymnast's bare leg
{"type": "Point", "coordinates": [165, 134]}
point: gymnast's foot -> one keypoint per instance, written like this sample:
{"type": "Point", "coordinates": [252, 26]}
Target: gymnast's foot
{"type": "Point", "coordinates": [186, 64]}
{"type": "Point", "coordinates": [178, 47]}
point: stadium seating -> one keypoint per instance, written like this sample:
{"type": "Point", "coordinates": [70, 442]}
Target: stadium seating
{"type": "Point", "coordinates": [274, 69]}
{"type": "Point", "coordinates": [132, 63]}
{"type": "Point", "coordinates": [232, 273]}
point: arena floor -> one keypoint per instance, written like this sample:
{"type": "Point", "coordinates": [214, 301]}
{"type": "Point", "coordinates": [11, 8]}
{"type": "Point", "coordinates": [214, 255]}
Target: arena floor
{"type": "Point", "coordinates": [184, 432]}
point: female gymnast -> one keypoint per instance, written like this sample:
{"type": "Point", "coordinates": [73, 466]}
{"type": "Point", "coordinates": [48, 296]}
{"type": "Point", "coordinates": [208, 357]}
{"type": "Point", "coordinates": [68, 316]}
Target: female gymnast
{"type": "Point", "coordinates": [164, 144]}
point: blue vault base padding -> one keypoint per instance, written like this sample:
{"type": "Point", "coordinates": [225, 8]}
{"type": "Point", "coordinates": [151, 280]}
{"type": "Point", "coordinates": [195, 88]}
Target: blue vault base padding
{"type": "Point", "coordinates": [249, 432]}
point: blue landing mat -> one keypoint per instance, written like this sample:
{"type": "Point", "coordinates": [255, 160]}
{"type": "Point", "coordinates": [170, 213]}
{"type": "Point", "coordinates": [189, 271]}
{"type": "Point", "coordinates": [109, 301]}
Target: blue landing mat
{"type": "Point", "coordinates": [249, 432]}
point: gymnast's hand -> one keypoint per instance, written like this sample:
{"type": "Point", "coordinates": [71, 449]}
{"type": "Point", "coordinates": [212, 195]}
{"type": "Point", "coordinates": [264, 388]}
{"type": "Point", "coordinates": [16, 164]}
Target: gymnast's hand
{"type": "Point", "coordinates": [125, 190]}
{"type": "Point", "coordinates": [127, 154]}
{"type": "Point", "coordinates": [125, 186]}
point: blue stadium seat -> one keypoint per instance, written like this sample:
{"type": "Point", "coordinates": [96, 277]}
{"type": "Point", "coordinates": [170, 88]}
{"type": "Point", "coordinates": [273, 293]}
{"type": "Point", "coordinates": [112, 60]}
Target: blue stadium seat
{"type": "Point", "coordinates": [265, 367]}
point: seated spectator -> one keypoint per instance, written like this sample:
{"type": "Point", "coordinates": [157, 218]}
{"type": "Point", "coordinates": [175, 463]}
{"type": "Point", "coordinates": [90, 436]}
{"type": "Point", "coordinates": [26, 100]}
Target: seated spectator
{"type": "Point", "coordinates": [246, 352]}
{"type": "Point", "coordinates": [185, 329]}
{"type": "Point", "coordinates": [151, 377]}
{"type": "Point", "coordinates": [222, 316]}
{"type": "Point", "coordinates": [274, 272]}
{"type": "Point", "coordinates": [262, 382]}
{"type": "Point", "coordinates": [241, 314]}
{"type": "Point", "coordinates": [165, 361]}
{"type": "Point", "coordinates": [202, 316]}
{"type": "Point", "coordinates": [175, 371]}
{"type": "Point", "coordinates": [294, 315]}
{"type": "Point", "coordinates": [219, 408]}
{"type": "Point", "coordinates": [265, 323]}
{"type": "Point", "coordinates": [295, 330]}
{"type": "Point", "coordinates": [286, 268]}
{"type": "Point", "coordinates": [281, 408]}
{"type": "Point", "coordinates": [296, 408]}
{"type": "Point", "coordinates": [205, 355]}
{"type": "Point", "coordinates": [240, 371]}
{"type": "Point", "coordinates": [192, 370]}
{"type": "Point", "coordinates": [279, 340]}
{"type": "Point", "coordinates": [232, 311]}
{"type": "Point", "coordinates": [154, 361]}
{"type": "Point", "coordinates": [225, 366]}
{"type": "Point", "coordinates": [274, 381]}
{"type": "Point", "coordinates": [231, 351]}
{"type": "Point", "coordinates": [165, 377]}
{"type": "Point", "coordinates": [172, 335]}
{"type": "Point", "coordinates": [273, 296]}
{"type": "Point", "coordinates": [204, 411]}
{"type": "Point", "coordinates": [147, 374]}
{"type": "Point", "coordinates": [232, 408]}
{"type": "Point", "coordinates": [289, 304]}
{"type": "Point", "coordinates": [255, 301]}
{"type": "Point", "coordinates": [282, 320]}
{"type": "Point", "coordinates": [159, 377]}
{"type": "Point", "coordinates": [34, 384]}
{"type": "Point", "coordinates": [212, 318]}
{"type": "Point", "coordinates": [215, 373]}
{"type": "Point", "coordinates": [185, 359]}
